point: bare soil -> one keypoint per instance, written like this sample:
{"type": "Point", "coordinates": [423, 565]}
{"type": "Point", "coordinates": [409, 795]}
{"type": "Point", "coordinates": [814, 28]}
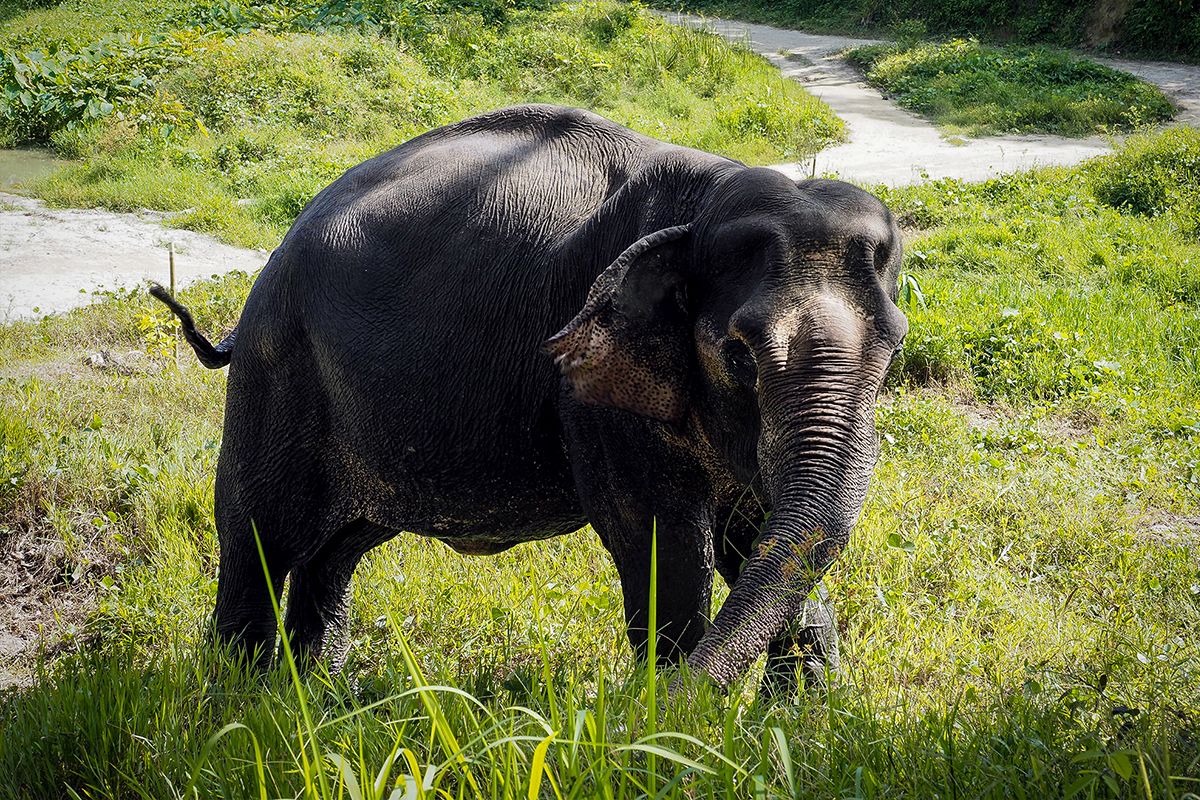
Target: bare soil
{"type": "Point", "coordinates": [52, 260]}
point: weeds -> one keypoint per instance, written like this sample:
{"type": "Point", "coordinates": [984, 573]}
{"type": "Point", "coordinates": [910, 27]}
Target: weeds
{"type": "Point", "coordinates": [1153, 175]}
{"type": "Point", "coordinates": [237, 115]}
{"type": "Point", "coordinates": [1047, 286]}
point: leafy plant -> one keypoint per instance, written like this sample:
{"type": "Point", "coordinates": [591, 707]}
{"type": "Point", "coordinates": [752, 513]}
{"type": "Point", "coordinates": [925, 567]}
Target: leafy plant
{"type": "Point", "coordinates": [1152, 174]}
{"type": "Point", "coordinates": [63, 86]}
{"type": "Point", "coordinates": [158, 331]}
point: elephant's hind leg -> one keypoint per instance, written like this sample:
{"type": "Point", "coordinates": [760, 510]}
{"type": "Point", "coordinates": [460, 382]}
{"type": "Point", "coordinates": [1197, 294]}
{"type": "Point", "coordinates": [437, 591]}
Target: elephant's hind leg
{"type": "Point", "coordinates": [319, 594]}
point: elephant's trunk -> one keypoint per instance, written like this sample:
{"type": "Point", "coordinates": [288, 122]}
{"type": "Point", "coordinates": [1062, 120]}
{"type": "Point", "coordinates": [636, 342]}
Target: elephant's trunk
{"type": "Point", "coordinates": [816, 451]}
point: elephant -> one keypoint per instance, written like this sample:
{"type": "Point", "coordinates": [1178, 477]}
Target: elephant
{"type": "Point", "coordinates": [536, 319]}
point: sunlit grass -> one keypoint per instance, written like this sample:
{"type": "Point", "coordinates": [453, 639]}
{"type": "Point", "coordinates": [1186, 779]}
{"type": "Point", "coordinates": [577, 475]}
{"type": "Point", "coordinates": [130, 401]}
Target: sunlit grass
{"type": "Point", "coordinates": [245, 125]}
{"type": "Point", "coordinates": [1018, 603]}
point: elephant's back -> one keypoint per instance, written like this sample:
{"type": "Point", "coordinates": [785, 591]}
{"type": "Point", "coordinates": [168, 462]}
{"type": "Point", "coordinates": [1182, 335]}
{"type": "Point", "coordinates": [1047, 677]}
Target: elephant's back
{"type": "Point", "coordinates": [403, 313]}
{"type": "Point", "coordinates": [515, 175]}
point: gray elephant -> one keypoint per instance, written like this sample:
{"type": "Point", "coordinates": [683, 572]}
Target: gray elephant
{"type": "Point", "coordinates": [718, 336]}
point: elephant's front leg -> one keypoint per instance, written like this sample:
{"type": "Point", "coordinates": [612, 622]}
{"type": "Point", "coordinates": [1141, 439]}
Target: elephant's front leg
{"type": "Point", "coordinates": [636, 489]}
{"type": "Point", "coordinates": [810, 643]}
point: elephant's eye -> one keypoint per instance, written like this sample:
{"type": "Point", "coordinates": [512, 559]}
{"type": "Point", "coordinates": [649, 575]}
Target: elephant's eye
{"type": "Point", "coordinates": [740, 362]}
{"type": "Point", "coordinates": [896, 353]}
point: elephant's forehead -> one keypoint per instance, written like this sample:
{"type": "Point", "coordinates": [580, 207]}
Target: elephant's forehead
{"type": "Point", "coordinates": [813, 232]}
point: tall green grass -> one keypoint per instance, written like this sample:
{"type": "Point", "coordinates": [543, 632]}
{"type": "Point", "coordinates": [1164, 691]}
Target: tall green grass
{"type": "Point", "coordinates": [1019, 602]}
{"type": "Point", "coordinates": [1060, 283]}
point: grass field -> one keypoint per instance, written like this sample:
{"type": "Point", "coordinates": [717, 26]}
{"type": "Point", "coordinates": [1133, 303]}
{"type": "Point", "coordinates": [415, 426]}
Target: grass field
{"type": "Point", "coordinates": [266, 105]}
{"type": "Point", "coordinates": [1019, 603]}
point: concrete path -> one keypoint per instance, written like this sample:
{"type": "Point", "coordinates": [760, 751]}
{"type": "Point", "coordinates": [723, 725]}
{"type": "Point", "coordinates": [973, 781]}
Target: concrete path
{"type": "Point", "coordinates": [890, 145]}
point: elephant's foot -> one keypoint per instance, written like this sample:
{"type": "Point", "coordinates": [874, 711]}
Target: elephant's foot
{"type": "Point", "coordinates": [809, 651]}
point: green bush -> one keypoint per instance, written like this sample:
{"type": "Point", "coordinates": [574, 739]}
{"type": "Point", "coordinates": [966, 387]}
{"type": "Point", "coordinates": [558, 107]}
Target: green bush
{"type": "Point", "coordinates": [63, 86]}
{"type": "Point", "coordinates": [984, 90]}
{"type": "Point", "coordinates": [1162, 26]}
{"type": "Point", "coordinates": [1154, 175]}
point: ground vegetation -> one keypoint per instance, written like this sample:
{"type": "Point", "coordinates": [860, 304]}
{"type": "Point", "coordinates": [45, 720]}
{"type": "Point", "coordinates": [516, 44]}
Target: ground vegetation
{"type": "Point", "coordinates": [1019, 602]}
{"type": "Point", "coordinates": [232, 116]}
{"type": "Point", "coordinates": [968, 87]}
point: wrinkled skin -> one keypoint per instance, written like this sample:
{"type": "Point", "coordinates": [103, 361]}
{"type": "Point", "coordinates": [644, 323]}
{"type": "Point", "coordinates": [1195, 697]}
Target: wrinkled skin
{"type": "Point", "coordinates": [717, 336]}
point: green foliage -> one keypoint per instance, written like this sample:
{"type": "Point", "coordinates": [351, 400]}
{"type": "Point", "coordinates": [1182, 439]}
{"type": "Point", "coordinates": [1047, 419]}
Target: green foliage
{"type": "Point", "coordinates": [253, 109]}
{"type": "Point", "coordinates": [1018, 355]}
{"type": "Point", "coordinates": [229, 735]}
{"type": "Point", "coordinates": [1162, 26]}
{"type": "Point", "coordinates": [1153, 175]}
{"type": "Point", "coordinates": [1020, 599]}
{"type": "Point", "coordinates": [984, 90]}
{"type": "Point", "coordinates": [1023, 278]}
{"type": "Point", "coordinates": [232, 18]}
{"type": "Point", "coordinates": [63, 86]}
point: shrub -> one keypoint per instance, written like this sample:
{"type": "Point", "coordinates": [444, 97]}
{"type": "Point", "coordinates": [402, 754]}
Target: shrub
{"type": "Point", "coordinates": [1152, 174]}
{"type": "Point", "coordinates": [63, 86]}
{"type": "Point", "coordinates": [983, 89]}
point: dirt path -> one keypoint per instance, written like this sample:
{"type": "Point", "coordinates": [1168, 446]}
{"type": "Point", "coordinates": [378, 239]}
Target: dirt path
{"type": "Point", "coordinates": [47, 257]}
{"type": "Point", "coordinates": [892, 146]}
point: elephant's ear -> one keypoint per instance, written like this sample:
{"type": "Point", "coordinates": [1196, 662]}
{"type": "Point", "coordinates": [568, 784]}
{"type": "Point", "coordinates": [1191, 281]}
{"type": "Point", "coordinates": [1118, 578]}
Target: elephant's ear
{"type": "Point", "coordinates": [630, 346]}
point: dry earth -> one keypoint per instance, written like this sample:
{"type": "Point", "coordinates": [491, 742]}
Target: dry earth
{"type": "Point", "coordinates": [52, 259]}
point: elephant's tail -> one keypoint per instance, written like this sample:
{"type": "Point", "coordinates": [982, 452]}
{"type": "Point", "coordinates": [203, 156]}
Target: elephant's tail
{"type": "Point", "coordinates": [211, 357]}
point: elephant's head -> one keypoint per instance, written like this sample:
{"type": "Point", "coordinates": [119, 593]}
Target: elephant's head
{"type": "Point", "coordinates": [765, 328]}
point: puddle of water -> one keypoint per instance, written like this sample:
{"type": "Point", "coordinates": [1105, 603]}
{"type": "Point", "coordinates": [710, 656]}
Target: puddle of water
{"type": "Point", "coordinates": [24, 164]}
